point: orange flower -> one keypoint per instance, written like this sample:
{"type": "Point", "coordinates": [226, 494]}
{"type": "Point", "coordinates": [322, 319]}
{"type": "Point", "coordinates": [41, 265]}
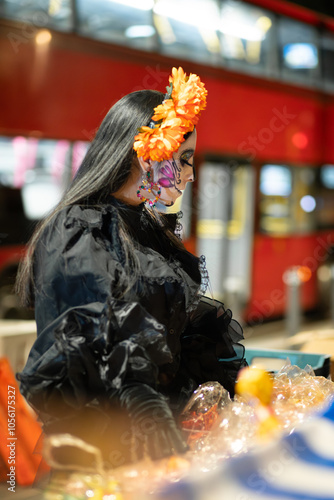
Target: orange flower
{"type": "Point", "coordinates": [190, 99]}
{"type": "Point", "coordinates": [178, 78]}
{"type": "Point", "coordinates": [164, 110]}
{"type": "Point", "coordinates": [174, 118]}
{"type": "Point", "coordinates": [158, 144]}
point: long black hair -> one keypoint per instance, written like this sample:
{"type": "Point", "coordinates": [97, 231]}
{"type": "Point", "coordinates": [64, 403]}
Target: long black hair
{"type": "Point", "coordinates": [104, 170]}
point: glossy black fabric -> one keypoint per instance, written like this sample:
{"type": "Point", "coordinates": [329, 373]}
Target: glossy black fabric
{"type": "Point", "coordinates": [93, 342]}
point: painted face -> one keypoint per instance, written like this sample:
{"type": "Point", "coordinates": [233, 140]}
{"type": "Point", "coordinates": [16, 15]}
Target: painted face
{"type": "Point", "coordinates": [174, 174]}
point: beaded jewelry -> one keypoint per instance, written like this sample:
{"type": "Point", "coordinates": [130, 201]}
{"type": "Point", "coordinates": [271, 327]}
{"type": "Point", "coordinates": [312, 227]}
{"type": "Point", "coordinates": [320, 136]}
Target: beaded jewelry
{"type": "Point", "coordinates": [149, 186]}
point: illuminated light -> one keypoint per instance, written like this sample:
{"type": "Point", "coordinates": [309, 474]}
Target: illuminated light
{"type": "Point", "coordinates": [308, 203]}
{"type": "Point", "coordinates": [301, 55]}
{"type": "Point", "coordinates": [89, 493]}
{"type": "Point", "coordinates": [210, 39]}
{"type": "Point", "coordinates": [241, 29]}
{"type": "Point", "coordinates": [232, 23]}
{"type": "Point", "coordinates": [324, 273]}
{"type": "Point", "coordinates": [253, 51]}
{"type": "Point", "coordinates": [54, 7]}
{"type": "Point", "coordinates": [327, 176]}
{"type": "Point", "coordinates": [140, 31]}
{"type": "Point", "coordinates": [300, 140]}
{"type": "Point", "coordinates": [237, 445]}
{"type": "Point", "coordinates": [296, 275]}
{"type": "Point", "coordinates": [43, 37]}
{"type": "Point", "coordinates": [136, 4]}
{"type": "Point", "coordinates": [165, 30]}
{"type": "Point", "coordinates": [275, 180]}
{"type": "Point", "coordinates": [234, 48]}
{"type": "Point", "coordinates": [304, 273]}
{"type": "Point", "coordinates": [185, 13]}
{"type": "Point", "coordinates": [237, 23]}
{"type": "Point", "coordinates": [211, 228]}
{"type": "Point", "coordinates": [264, 23]}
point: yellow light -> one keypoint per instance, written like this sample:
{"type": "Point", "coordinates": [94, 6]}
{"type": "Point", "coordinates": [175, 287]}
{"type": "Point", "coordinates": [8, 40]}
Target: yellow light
{"type": "Point", "coordinates": [264, 23]}
{"type": "Point", "coordinates": [43, 37]}
{"type": "Point", "coordinates": [54, 7]}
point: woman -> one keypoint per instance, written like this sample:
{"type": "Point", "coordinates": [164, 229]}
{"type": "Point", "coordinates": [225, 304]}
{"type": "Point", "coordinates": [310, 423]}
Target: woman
{"type": "Point", "coordinates": [124, 334]}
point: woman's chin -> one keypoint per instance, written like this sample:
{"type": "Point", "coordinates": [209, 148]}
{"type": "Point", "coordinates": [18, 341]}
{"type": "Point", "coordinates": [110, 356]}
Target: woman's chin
{"type": "Point", "coordinates": [166, 203]}
{"type": "Point", "coordinates": [170, 198]}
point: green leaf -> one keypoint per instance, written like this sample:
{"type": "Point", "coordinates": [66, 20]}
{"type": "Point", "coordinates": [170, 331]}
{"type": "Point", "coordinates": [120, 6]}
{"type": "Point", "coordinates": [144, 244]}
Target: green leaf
{"type": "Point", "coordinates": [169, 91]}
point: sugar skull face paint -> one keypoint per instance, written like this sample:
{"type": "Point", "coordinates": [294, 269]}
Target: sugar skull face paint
{"type": "Point", "coordinates": [174, 174]}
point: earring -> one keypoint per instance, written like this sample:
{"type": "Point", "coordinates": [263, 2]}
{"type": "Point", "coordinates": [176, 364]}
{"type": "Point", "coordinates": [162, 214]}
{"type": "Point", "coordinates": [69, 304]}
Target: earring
{"type": "Point", "coordinates": [149, 186]}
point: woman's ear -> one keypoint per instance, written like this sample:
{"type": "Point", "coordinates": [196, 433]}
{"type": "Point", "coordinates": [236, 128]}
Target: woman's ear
{"type": "Point", "coordinates": [144, 164]}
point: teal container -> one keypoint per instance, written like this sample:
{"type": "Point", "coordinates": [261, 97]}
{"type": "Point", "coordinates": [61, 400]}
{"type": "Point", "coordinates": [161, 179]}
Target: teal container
{"type": "Point", "coordinates": [273, 360]}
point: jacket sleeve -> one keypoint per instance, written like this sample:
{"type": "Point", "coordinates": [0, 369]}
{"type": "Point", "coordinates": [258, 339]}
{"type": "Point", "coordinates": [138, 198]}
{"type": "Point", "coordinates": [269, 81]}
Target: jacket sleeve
{"type": "Point", "coordinates": [90, 342]}
{"type": "Point", "coordinates": [211, 349]}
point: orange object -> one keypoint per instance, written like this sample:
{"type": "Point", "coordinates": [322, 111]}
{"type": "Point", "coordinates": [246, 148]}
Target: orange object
{"type": "Point", "coordinates": [20, 432]}
{"type": "Point", "coordinates": [256, 386]}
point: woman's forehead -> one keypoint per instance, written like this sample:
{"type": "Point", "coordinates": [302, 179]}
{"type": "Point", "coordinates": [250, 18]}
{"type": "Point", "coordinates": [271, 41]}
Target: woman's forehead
{"type": "Point", "coordinates": [189, 143]}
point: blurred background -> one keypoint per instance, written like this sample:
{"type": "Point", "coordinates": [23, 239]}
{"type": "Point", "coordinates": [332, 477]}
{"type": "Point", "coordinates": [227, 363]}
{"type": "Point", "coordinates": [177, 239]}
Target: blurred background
{"type": "Point", "coordinates": [262, 207]}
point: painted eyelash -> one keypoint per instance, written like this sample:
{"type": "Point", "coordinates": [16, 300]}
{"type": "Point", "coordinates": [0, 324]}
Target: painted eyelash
{"type": "Point", "coordinates": [186, 155]}
{"type": "Point", "coordinates": [183, 161]}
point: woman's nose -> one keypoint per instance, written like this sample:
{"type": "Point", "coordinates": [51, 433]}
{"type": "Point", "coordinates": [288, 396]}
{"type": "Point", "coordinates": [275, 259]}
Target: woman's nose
{"type": "Point", "coordinates": [191, 175]}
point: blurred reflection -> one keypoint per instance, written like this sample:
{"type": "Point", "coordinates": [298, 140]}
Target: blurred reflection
{"type": "Point", "coordinates": [127, 22]}
{"type": "Point", "coordinates": [327, 57]}
{"type": "Point", "coordinates": [325, 198]}
{"type": "Point", "coordinates": [229, 33]}
{"type": "Point", "coordinates": [248, 37]}
{"type": "Point", "coordinates": [298, 45]}
{"type": "Point", "coordinates": [188, 28]}
{"type": "Point", "coordinates": [33, 175]}
{"type": "Point", "coordinates": [296, 200]}
{"type": "Point", "coordinates": [53, 13]}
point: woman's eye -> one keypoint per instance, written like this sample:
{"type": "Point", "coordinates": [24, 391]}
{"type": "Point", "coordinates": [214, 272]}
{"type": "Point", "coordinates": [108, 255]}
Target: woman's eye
{"type": "Point", "coordinates": [185, 159]}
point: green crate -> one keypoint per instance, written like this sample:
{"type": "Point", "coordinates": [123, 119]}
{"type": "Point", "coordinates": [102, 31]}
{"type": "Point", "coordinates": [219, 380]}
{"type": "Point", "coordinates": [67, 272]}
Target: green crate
{"type": "Point", "coordinates": [273, 360]}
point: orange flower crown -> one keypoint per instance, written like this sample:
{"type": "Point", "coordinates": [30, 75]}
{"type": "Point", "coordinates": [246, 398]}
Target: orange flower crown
{"type": "Point", "coordinates": [176, 116]}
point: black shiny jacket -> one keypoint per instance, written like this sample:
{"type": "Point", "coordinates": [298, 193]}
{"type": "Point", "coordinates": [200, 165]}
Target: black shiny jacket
{"type": "Point", "coordinates": [93, 335]}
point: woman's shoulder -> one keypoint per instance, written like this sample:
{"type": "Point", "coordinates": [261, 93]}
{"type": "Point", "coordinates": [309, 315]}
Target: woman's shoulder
{"type": "Point", "coordinates": [78, 218]}
{"type": "Point", "coordinates": [84, 215]}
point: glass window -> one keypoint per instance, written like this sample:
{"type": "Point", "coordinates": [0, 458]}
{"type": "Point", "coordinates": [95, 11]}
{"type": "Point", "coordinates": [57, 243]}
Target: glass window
{"type": "Point", "coordinates": [275, 203]}
{"type": "Point", "coordinates": [52, 13]}
{"type": "Point", "coordinates": [287, 199]}
{"type": "Point", "coordinates": [126, 22]}
{"type": "Point", "coordinates": [247, 36]}
{"type": "Point", "coordinates": [327, 49]}
{"type": "Point", "coordinates": [299, 52]}
{"type": "Point", "coordinates": [325, 197]}
{"type": "Point", "coordinates": [275, 180]}
{"type": "Point", "coordinates": [35, 172]}
{"type": "Point", "coordinates": [188, 29]}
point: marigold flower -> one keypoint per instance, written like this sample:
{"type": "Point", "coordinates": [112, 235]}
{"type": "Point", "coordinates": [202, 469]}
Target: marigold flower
{"type": "Point", "coordinates": [172, 119]}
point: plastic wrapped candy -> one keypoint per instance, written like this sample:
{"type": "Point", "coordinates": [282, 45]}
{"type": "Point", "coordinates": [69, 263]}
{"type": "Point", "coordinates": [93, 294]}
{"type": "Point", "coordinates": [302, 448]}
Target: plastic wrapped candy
{"type": "Point", "coordinates": [268, 404]}
{"type": "Point", "coordinates": [298, 392]}
{"type": "Point", "coordinates": [217, 428]}
{"type": "Point", "coordinates": [203, 410]}
{"type": "Point", "coordinates": [147, 476]}
{"type": "Point", "coordinates": [247, 419]}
